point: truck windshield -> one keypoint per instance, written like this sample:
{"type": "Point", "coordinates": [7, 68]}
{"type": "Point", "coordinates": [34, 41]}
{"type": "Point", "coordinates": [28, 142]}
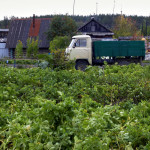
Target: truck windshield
{"type": "Point", "coordinates": [72, 43]}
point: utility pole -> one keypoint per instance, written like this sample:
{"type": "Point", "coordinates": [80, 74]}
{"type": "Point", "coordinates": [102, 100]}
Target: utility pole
{"type": "Point", "coordinates": [114, 7]}
{"type": "Point", "coordinates": [121, 7]}
{"type": "Point", "coordinates": [96, 7]}
{"type": "Point", "coordinates": [73, 7]}
{"type": "Point", "coordinates": [142, 27]}
{"type": "Point", "coordinates": [146, 27]}
{"type": "Point", "coordinates": [121, 15]}
{"type": "Point", "coordinates": [113, 12]}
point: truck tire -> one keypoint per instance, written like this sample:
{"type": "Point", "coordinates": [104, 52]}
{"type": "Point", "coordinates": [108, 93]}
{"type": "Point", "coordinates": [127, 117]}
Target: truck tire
{"type": "Point", "coordinates": [81, 65]}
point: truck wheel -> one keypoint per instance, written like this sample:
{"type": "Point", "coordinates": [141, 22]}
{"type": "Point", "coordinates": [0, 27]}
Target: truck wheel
{"type": "Point", "coordinates": [81, 65]}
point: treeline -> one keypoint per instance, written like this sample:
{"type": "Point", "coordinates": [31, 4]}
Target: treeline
{"type": "Point", "coordinates": [108, 20]}
{"type": "Point", "coordinates": [4, 23]}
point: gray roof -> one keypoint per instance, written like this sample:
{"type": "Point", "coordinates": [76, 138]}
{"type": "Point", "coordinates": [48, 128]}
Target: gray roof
{"type": "Point", "coordinates": [22, 29]}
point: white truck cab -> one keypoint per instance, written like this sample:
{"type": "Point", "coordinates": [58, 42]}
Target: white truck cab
{"type": "Point", "coordinates": [80, 49]}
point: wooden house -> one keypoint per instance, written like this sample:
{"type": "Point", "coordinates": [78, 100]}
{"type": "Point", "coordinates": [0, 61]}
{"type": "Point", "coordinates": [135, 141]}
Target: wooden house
{"type": "Point", "coordinates": [22, 29]}
{"type": "Point", "coordinates": [95, 30]}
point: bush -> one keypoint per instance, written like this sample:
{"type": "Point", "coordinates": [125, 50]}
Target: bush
{"type": "Point", "coordinates": [32, 47]}
{"type": "Point", "coordinates": [19, 49]}
{"type": "Point", "coordinates": [61, 26]}
{"type": "Point", "coordinates": [57, 51]}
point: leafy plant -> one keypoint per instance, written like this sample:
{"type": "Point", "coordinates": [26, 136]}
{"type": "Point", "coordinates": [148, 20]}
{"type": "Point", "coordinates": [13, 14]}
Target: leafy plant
{"type": "Point", "coordinates": [125, 27]}
{"type": "Point", "coordinates": [59, 42]}
{"type": "Point", "coordinates": [57, 51]}
{"type": "Point", "coordinates": [61, 26]}
{"type": "Point", "coordinates": [19, 49]}
{"type": "Point", "coordinates": [32, 47]}
{"type": "Point", "coordinates": [70, 109]}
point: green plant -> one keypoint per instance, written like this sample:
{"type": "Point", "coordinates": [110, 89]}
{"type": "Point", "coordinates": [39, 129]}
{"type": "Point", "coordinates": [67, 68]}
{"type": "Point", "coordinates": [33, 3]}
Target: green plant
{"type": "Point", "coordinates": [61, 26]}
{"type": "Point", "coordinates": [29, 48]}
{"type": "Point", "coordinates": [57, 51]}
{"type": "Point", "coordinates": [19, 49]}
{"type": "Point", "coordinates": [59, 42]}
{"type": "Point", "coordinates": [32, 47]}
{"type": "Point", "coordinates": [35, 47]}
{"type": "Point", "coordinates": [126, 27]}
{"type": "Point", "coordinates": [69, 109]}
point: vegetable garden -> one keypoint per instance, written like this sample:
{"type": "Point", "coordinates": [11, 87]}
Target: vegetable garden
{"type": "Point", "coordinates": [99, 109]}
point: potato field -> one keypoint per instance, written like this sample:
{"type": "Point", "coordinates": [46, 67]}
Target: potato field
{"type": "Point", "coordinates": [99, 109]}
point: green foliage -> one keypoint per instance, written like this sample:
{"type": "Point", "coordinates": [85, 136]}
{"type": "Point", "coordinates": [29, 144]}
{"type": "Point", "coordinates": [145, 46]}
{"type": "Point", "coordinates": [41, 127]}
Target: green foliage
{"type": "Point", "coordinates": [56, 60]}
{"type": "Point", "coordinates": [57, 50]}
{"type": "Point", "coordinates": [145, 29]}
{"type": "Point", "coordinates": [19, 49]}
{"type": "Point", "coordinates": [59, 42]}
{"type": "Point", "coordinates": [125, 27]}
{"type": "Point", "coordinates": [99, 109]}
{"type": "Point", "coordinates": [29, 48]}
{"type": "Point", "coordinates": [35, 48]}
{"type": "Point", "coordinates": [32, 47]}
{"type": "Point", "coordinates": [4, 23]}
{"type": "Point", "coordinates": [61, 26]}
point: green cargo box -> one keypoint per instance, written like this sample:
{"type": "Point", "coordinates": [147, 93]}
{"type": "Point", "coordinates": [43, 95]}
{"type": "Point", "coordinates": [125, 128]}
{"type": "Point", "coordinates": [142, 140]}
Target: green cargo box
{"type": "Point", "coordinates": [118, 48]}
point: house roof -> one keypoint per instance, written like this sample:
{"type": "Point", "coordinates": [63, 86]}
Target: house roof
{"type": "Point", "coordinates": [22, 29]}
{"type": "Point", "coordinates": [95, 28]}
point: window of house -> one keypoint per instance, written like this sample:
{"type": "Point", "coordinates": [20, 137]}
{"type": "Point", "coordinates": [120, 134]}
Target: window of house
{"type": "Point", "coordinates": [81, 43]}
{"type": "Point", "coordinates": [93, 28]}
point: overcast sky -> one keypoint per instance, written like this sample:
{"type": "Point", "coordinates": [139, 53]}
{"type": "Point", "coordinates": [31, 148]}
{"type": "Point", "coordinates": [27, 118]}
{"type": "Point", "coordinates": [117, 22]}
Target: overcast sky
{"type": "Point", "coordinates": [26, 8]}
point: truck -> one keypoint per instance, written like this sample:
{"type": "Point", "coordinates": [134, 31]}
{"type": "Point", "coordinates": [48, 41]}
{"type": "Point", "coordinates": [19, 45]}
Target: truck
{"type": "Point", "coordinates": [87, 51]}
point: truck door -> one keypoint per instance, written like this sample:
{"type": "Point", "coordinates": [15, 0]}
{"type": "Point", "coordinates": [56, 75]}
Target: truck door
{"type": "Point", "coordinates": [80, 50]}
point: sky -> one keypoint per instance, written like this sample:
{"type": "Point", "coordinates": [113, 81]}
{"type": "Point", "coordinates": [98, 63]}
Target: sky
{"type": "Point", "coordinates": [26, 8]}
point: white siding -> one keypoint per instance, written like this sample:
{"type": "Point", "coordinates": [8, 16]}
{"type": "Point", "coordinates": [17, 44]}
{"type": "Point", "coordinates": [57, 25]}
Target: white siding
{"type": "Point", "coordinates": [3, 50]}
